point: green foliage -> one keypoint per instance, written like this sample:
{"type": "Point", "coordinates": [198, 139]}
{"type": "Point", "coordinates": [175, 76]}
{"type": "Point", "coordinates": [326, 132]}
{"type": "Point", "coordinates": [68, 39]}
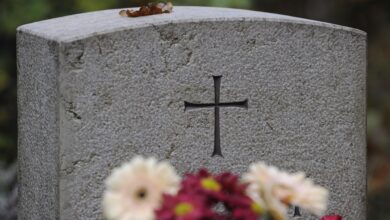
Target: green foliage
{"type": "Point", "coordinates": [4, 80]}
{"type": "Point", "coordinates": [93, 5]}
{"type": "Point", "coordinates": [216, 3]}
{"type": "Point", "coordinates": [17, 12]}
{"type": "Point", "coordinates": [231, 3]}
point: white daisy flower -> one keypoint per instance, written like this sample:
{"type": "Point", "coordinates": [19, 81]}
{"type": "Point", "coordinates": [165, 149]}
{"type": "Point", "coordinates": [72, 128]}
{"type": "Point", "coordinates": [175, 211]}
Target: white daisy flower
{"type": "Point", "coordinates": [134, 190]}
{"type": "Point", "coordinates": [276, 190]}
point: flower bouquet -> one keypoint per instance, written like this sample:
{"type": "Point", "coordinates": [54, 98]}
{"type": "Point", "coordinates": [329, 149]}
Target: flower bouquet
{"type": "Point", "coordinates": [145, 189]}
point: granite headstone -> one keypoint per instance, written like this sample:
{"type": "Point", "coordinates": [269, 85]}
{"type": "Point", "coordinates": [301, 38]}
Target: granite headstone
{"type": "Point", "coordinates": [200, 87]}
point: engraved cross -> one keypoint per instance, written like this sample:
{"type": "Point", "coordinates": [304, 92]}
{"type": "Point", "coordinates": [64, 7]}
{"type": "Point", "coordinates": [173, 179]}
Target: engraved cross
{"type": "Point", "coordinates": [216, 105]}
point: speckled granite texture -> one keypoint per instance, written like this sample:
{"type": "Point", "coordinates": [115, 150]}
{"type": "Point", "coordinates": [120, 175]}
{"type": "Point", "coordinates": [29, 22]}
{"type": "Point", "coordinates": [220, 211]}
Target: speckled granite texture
{"type": "Point", "coordinates": [96, 89]}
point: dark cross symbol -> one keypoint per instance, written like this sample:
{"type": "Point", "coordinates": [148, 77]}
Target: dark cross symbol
{"type": "Point", "coordinates": [216, 105]}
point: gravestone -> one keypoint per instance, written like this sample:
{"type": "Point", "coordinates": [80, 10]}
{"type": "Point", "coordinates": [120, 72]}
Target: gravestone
{"type": "Point", "coordinates": [200, 87]}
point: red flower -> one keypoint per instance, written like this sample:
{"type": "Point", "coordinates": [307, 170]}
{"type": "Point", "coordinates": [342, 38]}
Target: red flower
{"type": "Point", "coordinates": [224, 188]}
{"type": "Point", "coordinates": [184, 207]}
{"type": "Point", "coordinates": [231, 184]}
{"type": "Point", "coordinates": [233, 192]}
{"type": "Point", "coordinates": [247, 211]}
{"type": "Point", "coordinates": [235, 198]}
{"type": "Point", "coordinates": [203, 184]}
{"type": "Point", "coordinates": [332, 217]}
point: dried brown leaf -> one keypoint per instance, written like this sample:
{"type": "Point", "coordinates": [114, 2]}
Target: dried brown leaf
{"type": "Point", "coordinates": [150, 9]}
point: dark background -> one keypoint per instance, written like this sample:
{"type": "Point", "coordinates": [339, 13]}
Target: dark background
{"type": "Point", "coordinates": [372, 16]}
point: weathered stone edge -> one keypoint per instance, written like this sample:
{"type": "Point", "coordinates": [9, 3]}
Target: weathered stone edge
{"type": "Point", "coordinates": [284, 19]}
{"type": "Point", "coordinates": [38, 127]}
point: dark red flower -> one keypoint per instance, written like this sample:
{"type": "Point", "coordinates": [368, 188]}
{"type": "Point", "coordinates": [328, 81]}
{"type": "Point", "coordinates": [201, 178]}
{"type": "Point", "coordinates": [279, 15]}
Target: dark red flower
{"type": "Point", "coordinates": [224, 188]}
{"type": "Point", "coordinates": [247, 210]}
{"type": "Point", "coordinates": [332, 217]}
{"type": "Point", "coordinates": [233, 192]}
{"type": "Point", "coordinates": [230, 183]}
{"type": "Point", "coordinates": [203, 184]}
{"type": "Point", "coordinates": [184, 207]}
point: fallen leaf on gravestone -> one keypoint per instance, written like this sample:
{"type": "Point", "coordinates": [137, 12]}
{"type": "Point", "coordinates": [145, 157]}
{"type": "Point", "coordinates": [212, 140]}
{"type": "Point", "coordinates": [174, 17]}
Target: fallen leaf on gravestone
{"type": "Point", "coordinates": [150, 9]}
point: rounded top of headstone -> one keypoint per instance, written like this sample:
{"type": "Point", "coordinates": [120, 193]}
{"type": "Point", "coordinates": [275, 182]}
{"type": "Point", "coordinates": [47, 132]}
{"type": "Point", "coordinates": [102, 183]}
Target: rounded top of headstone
{"type": "Point", "coordinates": [79, 26]}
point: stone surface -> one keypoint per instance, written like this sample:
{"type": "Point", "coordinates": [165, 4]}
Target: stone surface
{"type": "Point", "coordinates": [96, 89]}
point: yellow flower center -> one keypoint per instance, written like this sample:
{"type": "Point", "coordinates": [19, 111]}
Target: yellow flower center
{"type": "Point", "coordinates": [183, 209]}
{"type": "Point", "coordinates": [283, 192]}
{"type": "Point", "coordinates": [256, 208]}
{"type": "Point", "coordinates": [209, 183]}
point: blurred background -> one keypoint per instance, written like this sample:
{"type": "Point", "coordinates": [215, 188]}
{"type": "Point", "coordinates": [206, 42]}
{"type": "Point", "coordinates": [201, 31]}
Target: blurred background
{"type": "Point", "coordinates": [372, 16]}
